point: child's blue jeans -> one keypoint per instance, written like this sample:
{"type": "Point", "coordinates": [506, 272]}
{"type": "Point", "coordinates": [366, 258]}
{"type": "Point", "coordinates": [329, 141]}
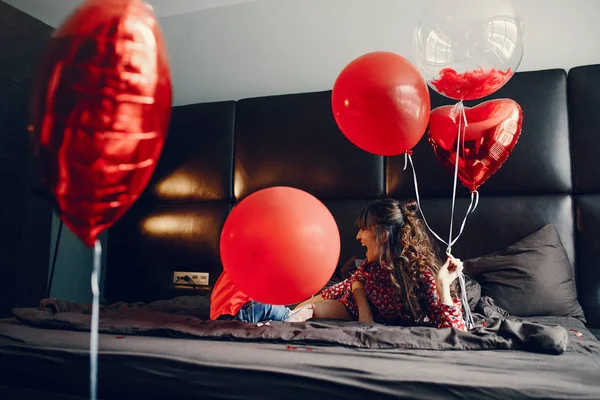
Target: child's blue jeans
{"type": "Point", "coordinates": [253, 311]}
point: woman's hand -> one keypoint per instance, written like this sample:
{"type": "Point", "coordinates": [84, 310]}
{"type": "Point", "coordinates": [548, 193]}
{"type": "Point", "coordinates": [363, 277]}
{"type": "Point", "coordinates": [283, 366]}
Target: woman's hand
{"type": "Point", "coordinates": [449, 271]}
{"type": "Point", "coordinates": [447, 274]}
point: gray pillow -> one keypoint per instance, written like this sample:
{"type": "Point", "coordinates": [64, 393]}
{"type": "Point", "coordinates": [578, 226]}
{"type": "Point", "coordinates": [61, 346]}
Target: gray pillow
{"type": "Point", "coordinates": [532, 277]}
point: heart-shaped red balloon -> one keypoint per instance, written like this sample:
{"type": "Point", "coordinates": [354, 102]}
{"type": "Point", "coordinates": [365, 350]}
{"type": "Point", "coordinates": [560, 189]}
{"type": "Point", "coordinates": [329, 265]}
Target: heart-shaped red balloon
{"type": "Point", "coordinates": [493, 130]}
{"type": "Point", "coordinates": [100, 112]}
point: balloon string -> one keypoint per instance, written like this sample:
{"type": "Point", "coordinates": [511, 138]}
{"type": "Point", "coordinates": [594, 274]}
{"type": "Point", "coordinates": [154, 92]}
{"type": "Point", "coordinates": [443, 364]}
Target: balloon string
{"type": "Point", "coordinates": [95, 321]}
{"type": "Point", "coordinates": [459, 140]}
{"type": "Point", "coordinates": [408, 157]}
{"type": "Point", "coordinates": [472, 206]}
{"type": "Point", "coordinates": [465, 302]}
{"type": "Point", "coordinates": [459, 137]}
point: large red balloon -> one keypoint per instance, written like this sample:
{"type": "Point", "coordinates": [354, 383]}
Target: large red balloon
{"type": "Point", "coordinates": [381, 103]}
{"type": "Point", "coordinates": [100, 112]}
{"type": "Point", "coordinates": [280, 245]}
{"type": "Point", "coordinates": [493, 130]}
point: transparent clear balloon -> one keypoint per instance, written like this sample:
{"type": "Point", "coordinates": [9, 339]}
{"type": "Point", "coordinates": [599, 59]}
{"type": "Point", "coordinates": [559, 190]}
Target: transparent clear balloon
{"type": "Point", "coordinates": [469, 49]}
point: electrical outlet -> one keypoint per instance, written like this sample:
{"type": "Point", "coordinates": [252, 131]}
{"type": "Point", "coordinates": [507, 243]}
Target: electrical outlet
{"type": "Point", "coordinates": [198, 278]}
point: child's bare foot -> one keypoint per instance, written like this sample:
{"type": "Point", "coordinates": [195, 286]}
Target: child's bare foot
{"type": "Point", "coordinates": [301, 314]}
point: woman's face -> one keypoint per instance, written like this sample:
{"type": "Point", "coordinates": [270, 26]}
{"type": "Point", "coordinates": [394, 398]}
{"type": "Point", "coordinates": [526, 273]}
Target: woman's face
{"type": "Point", "coordinates": [368, 240]}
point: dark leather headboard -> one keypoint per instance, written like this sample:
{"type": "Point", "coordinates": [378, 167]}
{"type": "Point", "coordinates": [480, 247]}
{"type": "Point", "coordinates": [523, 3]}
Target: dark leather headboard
{"type": "Point", "coordinates": [584, 99]}
{"type": "Point", "coordinates": [218, 153]}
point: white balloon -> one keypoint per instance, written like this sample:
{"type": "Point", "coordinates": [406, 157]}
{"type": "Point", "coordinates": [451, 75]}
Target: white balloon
{"type": "Point", "coordinates": [481, 40]}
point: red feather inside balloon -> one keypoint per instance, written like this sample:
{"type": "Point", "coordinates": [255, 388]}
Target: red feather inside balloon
{"type": "Point", "coordinates": [493, 130]}
{"type": "Point", "coordinates": [100, 112]}
{"type": "Point", "coordinates": [471, 85]}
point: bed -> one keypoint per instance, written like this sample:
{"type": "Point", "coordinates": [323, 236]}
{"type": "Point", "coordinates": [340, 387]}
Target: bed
{"type": "Point", "coordinates": [539, 215]}
{"type": "Point", "coordinates": [152, 366]}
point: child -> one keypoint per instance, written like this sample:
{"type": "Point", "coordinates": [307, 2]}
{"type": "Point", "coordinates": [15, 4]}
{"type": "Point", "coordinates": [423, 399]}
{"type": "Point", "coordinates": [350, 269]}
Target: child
{"type": "Point", "coordinates": [400, 281]}
{"type": "Point", "coordinates": [227, 302]}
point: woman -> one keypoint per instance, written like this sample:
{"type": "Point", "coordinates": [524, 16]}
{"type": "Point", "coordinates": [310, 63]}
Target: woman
{"type": "Point", "coordinates": [401, 281]}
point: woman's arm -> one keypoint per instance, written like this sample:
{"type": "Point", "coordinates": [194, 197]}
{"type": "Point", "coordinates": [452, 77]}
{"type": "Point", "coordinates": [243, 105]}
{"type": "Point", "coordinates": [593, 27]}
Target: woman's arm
{"type": "Point", "coordinates": [312, 300]}
{"type": "Point", "coordinates": [364, 308]}
{"type": "Point", "coordinates": [443, 291]}
{"type": "Point", "coordinates": [448, 274]}
{"type": "Point", "coordinates": [443, 310]}
{"type": "Point", "coordinates": [326, 293]}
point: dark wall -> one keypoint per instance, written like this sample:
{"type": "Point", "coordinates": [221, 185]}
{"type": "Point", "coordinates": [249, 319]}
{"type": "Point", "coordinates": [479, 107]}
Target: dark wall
{"type": "Point", "coordinates": [22, 40]}
{"type": "Point", "coordinates": [25, 219]}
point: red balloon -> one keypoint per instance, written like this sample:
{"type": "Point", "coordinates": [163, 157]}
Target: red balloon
{"type": "Point", "coordinates": [280, 245]}
{"type": "Point", "coordinates": [100, 112]}
{"type": "Point", "coordinates": [493, 130]}
{"type": "Point", "coordinates": [381, 103]}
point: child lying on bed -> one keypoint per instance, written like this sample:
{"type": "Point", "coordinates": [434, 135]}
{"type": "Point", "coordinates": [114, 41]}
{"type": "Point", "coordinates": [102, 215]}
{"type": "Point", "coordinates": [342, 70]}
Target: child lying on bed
{"type": "Point", "coordinates": [227, 302]}
{"type": "Point", "coordinates": [401, 281]}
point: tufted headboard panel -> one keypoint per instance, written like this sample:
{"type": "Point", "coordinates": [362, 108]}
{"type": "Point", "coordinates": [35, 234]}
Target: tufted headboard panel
{"type": "Point", "coordinates": [584, 98]}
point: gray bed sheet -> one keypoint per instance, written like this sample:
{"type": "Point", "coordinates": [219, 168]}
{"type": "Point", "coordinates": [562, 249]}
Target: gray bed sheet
{"type": "Point", "coordinates": [56, 361]}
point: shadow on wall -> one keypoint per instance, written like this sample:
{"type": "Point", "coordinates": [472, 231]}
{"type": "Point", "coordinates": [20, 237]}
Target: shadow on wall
{"type": "Point", "coordinates": [74, 262]}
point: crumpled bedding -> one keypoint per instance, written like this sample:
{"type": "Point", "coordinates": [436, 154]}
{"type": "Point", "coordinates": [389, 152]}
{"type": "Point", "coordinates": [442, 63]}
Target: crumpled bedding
{"type": "Point", "coordinates": [187, 317]}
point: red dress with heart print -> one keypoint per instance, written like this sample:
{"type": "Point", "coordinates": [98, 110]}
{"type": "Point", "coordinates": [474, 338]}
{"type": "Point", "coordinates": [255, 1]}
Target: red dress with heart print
{"type": "Point", "coordinates": [386, 302]}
